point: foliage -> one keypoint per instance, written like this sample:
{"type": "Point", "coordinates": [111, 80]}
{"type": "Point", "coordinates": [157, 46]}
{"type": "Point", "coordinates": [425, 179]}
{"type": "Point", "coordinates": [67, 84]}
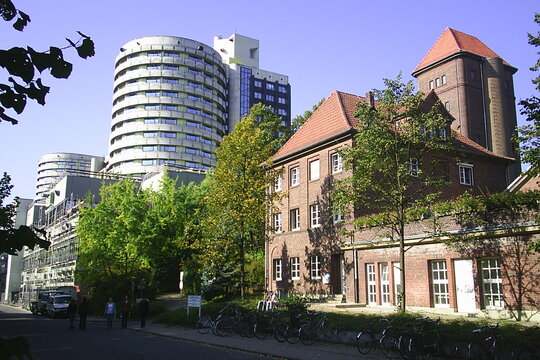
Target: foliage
{"type": "Point", "coordinates": [237, 200]}
{"type": "Point", "coordinates": [529, 134]}
{"type": "Point", "coordinates": [14, 239]}
{"type": "Point", "coordinates": [138, 235]}
{"type": "Point", "coordinates": [24, 62]}
{"type": "Point", "coordinates": [394, 163]}
{"type": "Point", "coordinates": [255, 268]}
{"type": "Point", "coordinates": [295, 303]}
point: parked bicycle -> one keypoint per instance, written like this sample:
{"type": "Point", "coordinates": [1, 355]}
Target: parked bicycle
{"type": "Point", "coordinates": [385, 339]}
{"type": "Point", "coordinates": [422, 341]}
{"type": "Point", "coordinates": [317, 325]}
{"type": "Point", "coordinates": [265, 323]}
{"type": "Point", "coordinates": [238, 322]}
{"type": "Point", "coordinates": [489, 346]}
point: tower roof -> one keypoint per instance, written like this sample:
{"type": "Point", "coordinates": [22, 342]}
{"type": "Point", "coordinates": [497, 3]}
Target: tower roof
{"type": "Point", "coordinates": [451, 42]}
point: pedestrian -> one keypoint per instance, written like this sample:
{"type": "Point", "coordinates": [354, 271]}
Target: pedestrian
{"type": "Point", "coordinates": [144, 307]}
{"type": "Point", "coordinates": [71, 312]}
{"type": "Point", "coordinates": [126, 307]}
{"type": "Point", "coordinates": [110, 312]}
{"type": "Point", "coordinates": [83, 314]}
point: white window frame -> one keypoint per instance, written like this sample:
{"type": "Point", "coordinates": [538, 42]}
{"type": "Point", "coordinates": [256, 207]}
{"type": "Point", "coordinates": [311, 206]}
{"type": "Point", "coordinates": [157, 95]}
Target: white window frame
{"type": "Point", "coordinates": [277, 223]}
{"type": "Point", "coordinates": [315, 267]}
{"type": "Point", "coordinates": [384, 282]}
{"type": "Point", "coordinates": [413, 167]}
{"type": "Point", "coordinates": [338, 217]}
{"type": "Point", "coordinates": [295, 219]}
{"type": "Point", "coordinates": [371, 284]}
{"type": "Point", "coordinates": [492, 289]}
{"type": "Point", "coordinates": [396, 268]}
{"type": "Point", "coordinates": [443, 79]}
{"type": "Point", "coordinates": [277, 269]}
{"type": "Point", "coordinates": [336, 161]}
{"type": "Point", "coordinates": [431, 85]}
{"type": "Point", "coordinates": [294, 176]}
{"type": "Point", "coordinates": [295, 268]}
{"type": "Point", "coordinates": [439, 284]}
{"type": "Point", "coordinates": [315, 215]}
{"type": "Point", "coordinates": [463, 169]}
{"type": "Point", "coordinates": [314, 170]}
{"type": "Point", "coordinates": [279, 183]}
{"type": "Point", "coordinates": [437, 82]}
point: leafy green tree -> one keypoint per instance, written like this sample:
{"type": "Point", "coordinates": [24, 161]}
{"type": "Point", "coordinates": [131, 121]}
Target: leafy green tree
{"type": "Point", "coordinates": [238, 196]}
{"type": "Point", "coordinates": [529, 134]}
{"type": "Point", "coordinates": [394, 172]}
{"type": "Point", "coordinates": [23, 63]}
{"type": "Point", "coordinates": [14, 239]}
{"type": "Point", "coordinates": [109, 234]}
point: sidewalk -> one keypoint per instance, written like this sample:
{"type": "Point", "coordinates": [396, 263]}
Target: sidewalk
{"type": "Point", "coordinates": [269, 346]}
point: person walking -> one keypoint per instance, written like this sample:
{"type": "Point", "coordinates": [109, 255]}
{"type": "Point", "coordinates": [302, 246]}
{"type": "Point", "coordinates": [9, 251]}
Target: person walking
{"type": "Point", "coordinates": [144, 307]}
{"type": "Point", "coordinates": [83, 314]}
{"type": "Point", "coordinates": [126, 307]}
{"type": "Point", "coordinates": [71, 312]}
{"type": "Point", "coordinates": [110, 312]}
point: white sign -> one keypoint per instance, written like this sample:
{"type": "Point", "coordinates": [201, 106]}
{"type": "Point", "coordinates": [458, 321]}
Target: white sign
{"type": "Point", "coordinates": [194, 301]}
{"type": "Point", "coordinates": [326, 278]}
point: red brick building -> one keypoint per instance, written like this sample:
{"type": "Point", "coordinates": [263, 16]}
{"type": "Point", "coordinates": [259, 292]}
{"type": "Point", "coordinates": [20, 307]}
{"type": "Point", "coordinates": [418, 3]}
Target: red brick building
{"type": "Point", "coordinates": [308, 251]}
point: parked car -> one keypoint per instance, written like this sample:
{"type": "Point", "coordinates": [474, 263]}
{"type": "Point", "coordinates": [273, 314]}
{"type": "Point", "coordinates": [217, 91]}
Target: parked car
{"type": "Point", "coordinates": [43, 300]}
{"type": "Point", "coordinates": [58, 305]}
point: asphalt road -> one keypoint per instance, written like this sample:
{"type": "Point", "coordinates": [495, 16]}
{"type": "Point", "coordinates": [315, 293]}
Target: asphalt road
{"type": "Point", "coordinates": [52, 340]}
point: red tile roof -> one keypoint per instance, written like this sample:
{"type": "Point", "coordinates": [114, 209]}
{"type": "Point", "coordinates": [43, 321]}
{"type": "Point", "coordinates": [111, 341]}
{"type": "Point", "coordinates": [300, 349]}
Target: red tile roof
{"type": "Point", "coordinates": [452, 41]}
{"type": "Point", "coordinates": [334, 116]}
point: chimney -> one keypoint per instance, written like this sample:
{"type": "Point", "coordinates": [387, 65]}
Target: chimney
{"type": "Point", "coordinates": [369, 97]}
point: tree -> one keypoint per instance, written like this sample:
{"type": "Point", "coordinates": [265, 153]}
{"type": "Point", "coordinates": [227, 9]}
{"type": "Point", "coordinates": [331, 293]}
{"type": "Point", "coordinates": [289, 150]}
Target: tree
{"type": "Point", "coordinates": [394, 168]}
{"type": "Point", "coordinates": [13, 239]}
{"type": "Point", "coordinates": [529, 134]}
{"type": "Point", "coordinates": [23, 63]}
{"type": "Point", "coordinates": [238, 197]}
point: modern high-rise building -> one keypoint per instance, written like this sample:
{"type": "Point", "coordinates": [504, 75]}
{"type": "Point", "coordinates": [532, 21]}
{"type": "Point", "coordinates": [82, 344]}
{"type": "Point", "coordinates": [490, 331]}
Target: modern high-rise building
{"type": "Point", "coordinates": [175, 98]}
{"type": "Point", "coordinates": [476, 86]}
{"type": "Point", "coordinates": [52, 166]}
{"type": "Point", "coordinates": [248, 84]}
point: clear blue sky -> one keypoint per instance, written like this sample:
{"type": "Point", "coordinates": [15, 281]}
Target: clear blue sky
{"type": "Point", "coordinates": [322, 46]}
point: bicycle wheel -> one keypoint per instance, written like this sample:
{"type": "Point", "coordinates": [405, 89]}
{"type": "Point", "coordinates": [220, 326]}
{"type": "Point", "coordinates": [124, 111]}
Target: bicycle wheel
{"type": "Point", "coordinates": [477, 351]}
{"type": "Point", "coordinates": [364, 342]}
{"type": "Point", "coordinates": [329, 330]}
{"type": "Point", "coordinates": [293, 334]}
{"type": "Point", "coordinates": [260, 330]}
{"type": "Point", "coordinates": [526, 354]}
{"type": "Point", "coordinates": [405, 346]}
{"type": "Point", "coordinates": [388, 343]}
{"type": "Point", "coordinates": [280, 332]}
{"type": "Point", "coordinates": [204, 324]}
{"type": "Point", "coordinates": [246, 329]}
{"type": "Point", "coordinates": [222, 327]}
{"type": "Point", "coordinates": [308, 335]}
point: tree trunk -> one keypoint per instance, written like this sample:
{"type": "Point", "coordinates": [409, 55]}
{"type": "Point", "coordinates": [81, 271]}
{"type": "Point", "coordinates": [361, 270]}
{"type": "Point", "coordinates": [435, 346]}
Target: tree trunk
{"type": "Point", "coordinates": [242, 267]}
{"type": "Point", "coordinates": [402, 264]}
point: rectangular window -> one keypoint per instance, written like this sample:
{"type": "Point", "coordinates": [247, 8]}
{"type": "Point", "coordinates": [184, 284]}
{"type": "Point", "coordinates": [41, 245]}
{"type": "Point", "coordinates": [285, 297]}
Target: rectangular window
{"type": "Point", "coordinates": [442, 133]}
{"type": "Point", "coordinates": [149, 148]}
{"type": "Point", "coordinates": [492, 284]}
{"type": "Point", "coordinates": [170, 81]}
{"type": "Point", "coordinates": [384, 280]}
{"type": "Point", "coordinates": [338, 216]}
{"type": "Point", "coordinates": [431, 85]}
{"type": "Point", "coordinates": [168, 134]}
{"type": "Point", "coordinates": [282, 89]}
{"type": "Point", "coordinates": [443, 79]}
{"type": "Point", "coordinates": [295, 176]}
{"type": "Point", "coordinates": [167, 162]}
{"type": "Point", "coordinates": [149, 162]}
{"type": "Point", "coordinates": [413, 167]}
{"type": "Point", "coordinates": [295, 219]}
{"type": "Point", "coordinates": [153, 53]}
{"type": "Point", "coordinates": [151, 107]}
{"type": "Point", "coordinates": [447, 105]}
{"type": "Point", "coordinates": [257, 83]}
{"type": "Point", "coordinates": [337, 163]}
{"type": "Point", "coordinates": [170, 67]}
{"type": "Point", "coordinates": [170, 94]}
{"type": "Point", "coordinates": [439, 283]}
{"type": "Point", "coordinates": [169, 107]}
{"type": "Point", "coordinates": [192, 164]}
{"type": "Point", "coordinates": [171, 54]}
{"type": "Point", "coordinates": [152, 93]}
{"type": "Point", "coordinates": [168, 148]}
{"type": "Point", "coordinates": [269, 97]}
{"type": "Point", "coordinates": [466, 174]}
{"type": "Point", "coordinates": [315, 215]}
{"type": "Point", "coordinates": [437, 82]}
{"type": "Point", "coordinates": [295, 268]}
{"type": "Point", "coordinates": [314, 171]}
{"type": "Point", "coordinates": [150, 134]}
{"type": "Point", "coordinates": [257, 95]}
{"type": "Point", "coordinates": [151, 121]}
{"type": "Point", "coordinates": [153, 67]}
{"type": "Point", "coordinates": [270, 86]}
{"type": "Point", "coordinates": [169, 121]}
{"type": "Point", "coordinates": [282, 112]}
{"type": "Point", "coordinates": [281, 100]}
{"type": "Point", "coordinates": [396, 268]}
{"type": "Point", "coordinates": [371, 284]}
{"type": "Point", "coordinates": [192, 151]}
{"type": "Point", "coordinates": [192, 137]}
{"type": "Point", "coordinates": [194, 71]}
{"type": "Point", "coordinates": [277, 223]}
{"type": "Point", "coordinates": [278, 270]}
{"type": "Point", "coordinates": [206, 154]}
{"type": "Point", "coordinates": [279, 183]}
{"type": "Point", "coordinates": [315, 266]}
